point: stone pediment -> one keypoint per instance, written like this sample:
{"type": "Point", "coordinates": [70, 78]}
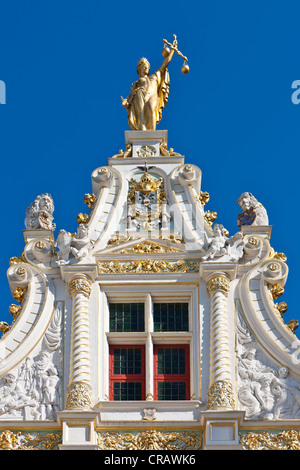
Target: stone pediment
{"type": "Point", "coordinates": [126, 245]}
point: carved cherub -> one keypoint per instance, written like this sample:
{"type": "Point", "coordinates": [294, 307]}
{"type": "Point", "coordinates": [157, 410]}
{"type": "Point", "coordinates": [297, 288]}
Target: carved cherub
{"type": "Point", "coordinates": [63, 243]}
{"type": "Point", "coordinates": [81, 243]}
{"type": "Point", "coordinates": [216, 244]}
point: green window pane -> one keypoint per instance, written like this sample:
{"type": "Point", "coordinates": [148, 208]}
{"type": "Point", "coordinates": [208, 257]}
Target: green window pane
{"type": "Point", "coordinates": [127, 391]}
{"type": "Point", "coordinates": [126, 317]}
{"type": "Point", "coordinates": [171, 316]}
{"type": "Point", "coordinates": [127, 361]}
{"type": "Point", "coordinates": [171, 390]}
{"type": "Point", "coordinates": [171, 360]}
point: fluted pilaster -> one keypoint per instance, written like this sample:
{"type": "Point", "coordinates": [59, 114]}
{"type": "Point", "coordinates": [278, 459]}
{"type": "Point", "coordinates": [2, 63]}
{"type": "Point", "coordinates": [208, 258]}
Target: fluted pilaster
{"type": "Point", "coordinates": [220, 392]}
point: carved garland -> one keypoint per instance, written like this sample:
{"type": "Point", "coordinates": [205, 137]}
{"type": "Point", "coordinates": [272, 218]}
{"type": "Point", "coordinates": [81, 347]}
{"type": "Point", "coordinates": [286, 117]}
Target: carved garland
{"type": "Point", "coordinates": [20, 441]}
{"type": "Point", "coordinates": [150, 440]}
{"type": "Point", "coordinates": [285, 440]}
{"type": "Point", "coordinates": [147, 266]}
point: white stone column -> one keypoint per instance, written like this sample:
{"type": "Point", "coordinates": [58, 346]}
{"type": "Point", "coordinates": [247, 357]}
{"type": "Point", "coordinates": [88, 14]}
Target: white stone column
{"type": "Point", "coordinates": [79, 393]}
{"type": "Point", "coordinates": [220, 392]}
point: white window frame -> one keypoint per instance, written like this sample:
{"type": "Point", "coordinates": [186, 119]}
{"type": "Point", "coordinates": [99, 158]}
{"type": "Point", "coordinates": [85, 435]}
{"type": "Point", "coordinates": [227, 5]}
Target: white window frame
{"type": "Point", "coordinates": [150, 293]}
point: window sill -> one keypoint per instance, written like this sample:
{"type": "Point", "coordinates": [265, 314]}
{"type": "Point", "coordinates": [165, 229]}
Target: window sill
{"type": "Point", "coordinates": [136, 337]}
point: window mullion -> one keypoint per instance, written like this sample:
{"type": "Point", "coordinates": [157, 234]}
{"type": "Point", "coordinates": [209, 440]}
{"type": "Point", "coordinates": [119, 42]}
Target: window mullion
{"type": "Point", "coordinates": [149, 347]}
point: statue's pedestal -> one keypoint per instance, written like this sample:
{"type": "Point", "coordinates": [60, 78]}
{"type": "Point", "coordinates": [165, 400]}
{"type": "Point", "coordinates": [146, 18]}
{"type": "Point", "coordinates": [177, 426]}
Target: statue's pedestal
{"type": "Point", "coordinates": [146, 143]}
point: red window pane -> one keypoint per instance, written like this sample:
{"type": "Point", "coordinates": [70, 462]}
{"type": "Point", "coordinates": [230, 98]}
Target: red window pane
{"type": "Point", "coordinates": [171, 372]}
{"type": "Point", "coordinates": [127, 372]}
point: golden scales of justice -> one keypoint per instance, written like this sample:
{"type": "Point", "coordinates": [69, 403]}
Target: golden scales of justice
{"type": "Point", "coordinates": [166, 51]}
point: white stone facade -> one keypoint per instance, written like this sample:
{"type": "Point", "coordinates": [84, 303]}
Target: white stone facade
{"type": "Point", "coordinates": [148, 239]}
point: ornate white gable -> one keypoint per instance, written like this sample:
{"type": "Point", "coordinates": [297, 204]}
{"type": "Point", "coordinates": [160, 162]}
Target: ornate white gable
{"type": "Point", "coordinates": [146, 236]}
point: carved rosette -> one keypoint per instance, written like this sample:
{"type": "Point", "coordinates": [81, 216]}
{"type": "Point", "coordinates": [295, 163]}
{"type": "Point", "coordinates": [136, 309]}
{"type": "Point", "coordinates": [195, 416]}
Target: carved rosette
{"type": "Point", "coordinates": [79, 396]}
{"type": "Point", "coordinates": [221, 395]}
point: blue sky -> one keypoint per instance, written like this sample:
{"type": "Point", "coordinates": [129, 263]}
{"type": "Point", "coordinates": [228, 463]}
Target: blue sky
{"type": "Point", "coordinates": [65, 65]}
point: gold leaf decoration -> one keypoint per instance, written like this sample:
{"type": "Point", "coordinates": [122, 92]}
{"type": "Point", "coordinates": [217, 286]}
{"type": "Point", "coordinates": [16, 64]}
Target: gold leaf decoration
{"type": "Point", "coordinates": [147, 266]}
{"type": "Point", "coordinates": [285, 440]}
{"type": "Point", "coordinates": [150, 440]}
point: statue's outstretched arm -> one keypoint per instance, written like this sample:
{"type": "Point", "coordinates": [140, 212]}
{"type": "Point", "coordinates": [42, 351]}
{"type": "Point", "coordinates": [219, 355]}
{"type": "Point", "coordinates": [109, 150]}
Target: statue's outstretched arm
{"type": "Point", "coordinates": [168, 59]}
{"type": "Point", "coordinates": [166, 62]}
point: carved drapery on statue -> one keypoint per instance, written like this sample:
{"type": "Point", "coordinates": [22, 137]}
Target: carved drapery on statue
{"type": "Point", "coordinates": [148, 97]}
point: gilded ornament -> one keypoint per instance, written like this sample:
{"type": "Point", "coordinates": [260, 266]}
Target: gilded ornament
{"type": "Point", "coordinates": [90, 200]}
{"type": "Point", "coordinates": [80, 285]}
{"type": "Point", "coordinates": [19, 294]}
{"type": "Point", "coordinates": [149, 94]}
{"type": "Point", "coordinates": [82, 218]}
{"type": "Point", "coordinates": [14, 310]}
{"type": "Point", "coordinates": [146, 185]}
{"type": "Point", "coordinates": [280, 256]}
{"type": "Point", "coordinates": [127, 153]}
{"type": "Point", "coordinates": [4, 327]}
{"type": "Point", "coordinates": [172, 238]}
{"type": "Point", "coordinates": [284, 440]}
{"type": "Point", "coordinates": [218, 283]}
{"type": "Point", "coordinates": [150, 440]}
{"type": "Point", "coordinates": [203, 197]}
{"type": "Point", "coordinates": [20, 271]}
{"type": "Point", "coordinates": [118, 239]}
{"type": "Point", "coordinates": [145, 151]}
{"type": "Point", "coordinates": [40, 245]}
{"type": "Point", "coordinates": [282, 307]}
{"type": "Point", "coordinates": [15, 260]}
{"type": "Point", "coordinates": [35, 441]}
{"type": "Point", "coordinates": [168, 153]}
{"type": "Point", "coordinates": [79, 395]}
{"type": "Point", "coordinates": [210, 217]}
{"type": "Point", "coordinates": [276, 290]}
{"type": "Point", "coordinates": [147, 266]}
{"type": "Point", "coordinates": [185, 69]}
{"type": "Point", "coordinates": [292, 325]}
{"type": "Point", "coordinates": [220, 395]}
{"type": "Point", "coordinates": [147, 247]}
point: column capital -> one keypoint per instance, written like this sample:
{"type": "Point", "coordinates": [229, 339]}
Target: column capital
{"type": "Point", "coordinates": [218, 281]}
{"type": "Point", "coordinates": [79, 396]}
{"type": "Point", "coordinates": [80, 284]}
{"type": "Point", "coordinates": [220, 395]}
